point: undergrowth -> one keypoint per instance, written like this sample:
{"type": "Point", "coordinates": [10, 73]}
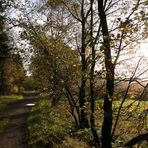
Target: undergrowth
{"type": "Point", "coordinates": [52, 127]}
{"type": "Point", "coordinates": [3, 123]}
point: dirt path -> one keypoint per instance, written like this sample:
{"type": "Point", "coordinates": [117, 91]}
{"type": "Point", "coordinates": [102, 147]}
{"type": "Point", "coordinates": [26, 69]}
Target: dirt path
{"type": "Point", "coordinates": [14, 134]}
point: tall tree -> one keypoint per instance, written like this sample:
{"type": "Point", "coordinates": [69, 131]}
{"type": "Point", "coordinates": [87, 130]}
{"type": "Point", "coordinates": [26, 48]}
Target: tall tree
{"type": "Point", "coordinates": [4, 49]}
{"type": "Point", "coordinates": [107, 123]}
{"type": "Point", "coordinates": [82, 94]}
{"type": "Point", "coordinates": [11, 65]}
{"type": "Point", "coordinates": [92, 77]}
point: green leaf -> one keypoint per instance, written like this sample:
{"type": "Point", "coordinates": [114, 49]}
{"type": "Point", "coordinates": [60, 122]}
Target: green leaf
{"type": "Point", "coordinates": [102, 48]}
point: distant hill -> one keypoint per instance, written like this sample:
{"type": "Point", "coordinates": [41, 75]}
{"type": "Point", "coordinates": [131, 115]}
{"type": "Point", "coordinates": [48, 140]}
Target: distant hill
{"type": "Point", "coordinates": [135, 90]}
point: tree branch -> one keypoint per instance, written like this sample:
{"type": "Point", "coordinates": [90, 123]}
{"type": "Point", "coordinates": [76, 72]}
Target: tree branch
{"type": "Point", "coordinates": [137, 139]}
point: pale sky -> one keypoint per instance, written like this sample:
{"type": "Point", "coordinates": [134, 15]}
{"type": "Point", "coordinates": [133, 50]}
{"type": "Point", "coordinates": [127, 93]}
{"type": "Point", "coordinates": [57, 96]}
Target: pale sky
{"type": "Point", "coordinates": [144, 49]}
{"type": "Point", "coordinates": [131, 59]}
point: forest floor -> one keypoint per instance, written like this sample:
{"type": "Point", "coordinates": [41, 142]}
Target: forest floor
{"type": "Point", "coordinates": [13, 135]}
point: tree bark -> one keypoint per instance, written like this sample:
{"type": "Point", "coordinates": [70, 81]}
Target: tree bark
{"type": "Point", "coordinates": [136, 140]}
{"type": "Point", "coordinates": [107, 123]}
{"type": "Point", "coordinates": [82, 99]}
{"type": "Point", "coordinates": [92, 96]}
{"type": "Point", "coordinates": [3, 86]}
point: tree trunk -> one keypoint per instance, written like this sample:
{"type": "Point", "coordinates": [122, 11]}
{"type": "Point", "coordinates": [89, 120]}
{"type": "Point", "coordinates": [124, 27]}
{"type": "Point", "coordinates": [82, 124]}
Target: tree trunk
{"type": "Point", "coordinates": [82, 96]}
{"type": "Point", "coordinates": [1, 83]}
{"type": "Point", "coordinates": [107, 123]}
{"type": "Point", "coordinates": [3, 86]}
{"type": "Point", "coordinates": [92, 96]}
{"type": "Point", "coordinates": [136, 140]}
{"type": "Point", "coordinates": [83, 119]}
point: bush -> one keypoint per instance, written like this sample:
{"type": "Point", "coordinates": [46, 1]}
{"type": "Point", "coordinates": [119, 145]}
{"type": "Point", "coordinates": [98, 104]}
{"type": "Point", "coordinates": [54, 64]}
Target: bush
{"type": "Point", "coordinates": [30, 84]}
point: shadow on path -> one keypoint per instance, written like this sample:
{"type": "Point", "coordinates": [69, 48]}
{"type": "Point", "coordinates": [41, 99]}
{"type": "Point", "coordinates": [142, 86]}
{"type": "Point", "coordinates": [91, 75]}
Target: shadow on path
{"type": "Point", "coordinates": [14, 134]}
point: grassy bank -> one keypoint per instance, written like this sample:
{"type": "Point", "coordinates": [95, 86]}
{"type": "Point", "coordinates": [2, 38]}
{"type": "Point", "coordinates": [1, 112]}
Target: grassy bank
{"type": "Point", "coordinates": [53, 126]}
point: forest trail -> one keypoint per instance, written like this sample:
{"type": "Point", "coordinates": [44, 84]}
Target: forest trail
{"type": "Point", "coordinates": [13, 135]}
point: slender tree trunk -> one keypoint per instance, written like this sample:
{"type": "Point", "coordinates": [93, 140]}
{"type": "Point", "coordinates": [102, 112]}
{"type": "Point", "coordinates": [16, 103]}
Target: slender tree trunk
{"type": "Point", "coordinates": [1, 73]}
{"type": "Point", "coordinates": [83, 119]}
{"type": "Point", "coordinates": [82, 93]}
{"type": "Point", "coordinates": [92, 118]}
{"type": "Point", "coordinates": [72, 109]}
{"type": "Point", "coordinates": [73, 105]}
{"type": "Point", "coordinates": [107, 123]}
{"type": "Point", "coordinates": [3, 86]}
{"type": "Point", "coordinates": [92, 97]}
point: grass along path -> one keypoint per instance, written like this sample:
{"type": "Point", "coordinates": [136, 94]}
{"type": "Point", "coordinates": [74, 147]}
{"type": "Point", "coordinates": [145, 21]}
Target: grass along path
{"type": "Point", "coordinates": [5, 100]}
